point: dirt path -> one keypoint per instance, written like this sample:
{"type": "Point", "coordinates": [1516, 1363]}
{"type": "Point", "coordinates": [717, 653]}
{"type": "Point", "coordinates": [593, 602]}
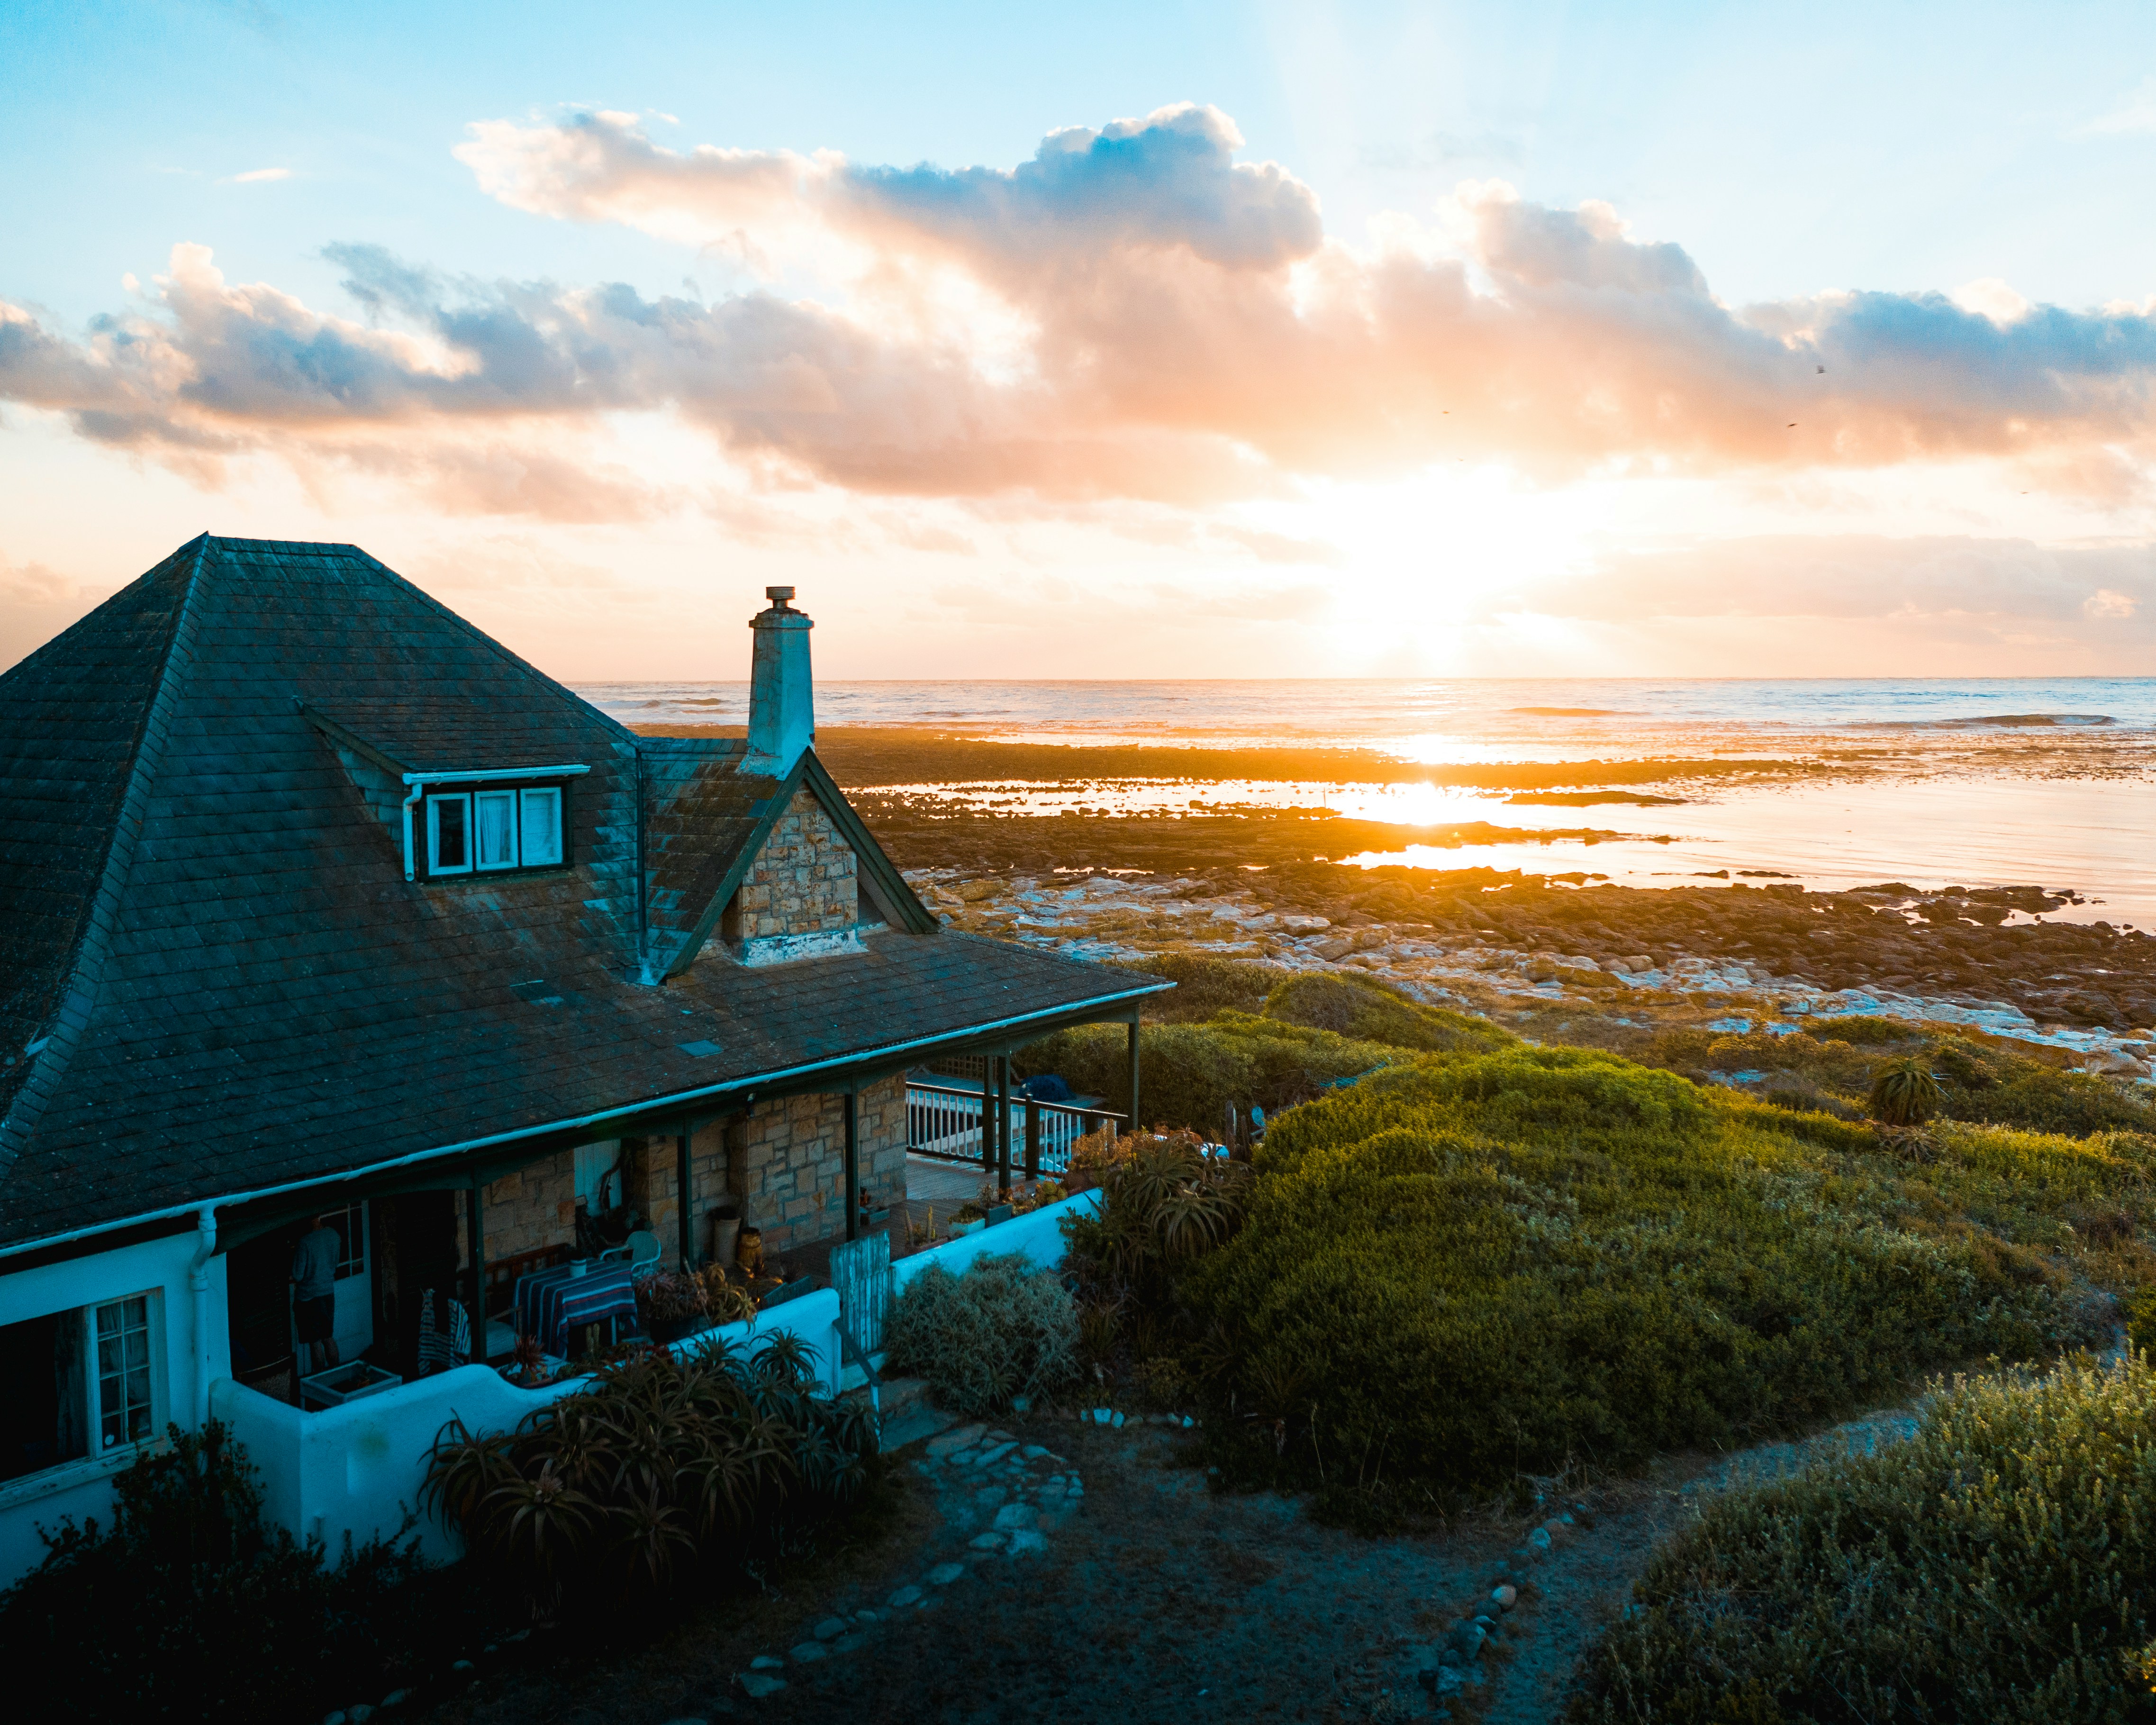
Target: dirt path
{"type": "Point", "coordinates": [1136, 1594]}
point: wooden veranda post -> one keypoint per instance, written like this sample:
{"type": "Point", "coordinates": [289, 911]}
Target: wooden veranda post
{"type": "Point", "coordinates": [686, 1225]}
{"type": "Point", "coordinates": [476, 1242]}
{"type": "Point", "coordinates": [1002, 1073]}
{"type": "Point", "coordinates": [1032, 1139]}
{"type": "Point", "coordinates": [1134, 1072]}
{"type": "Point", "coordinates": [852, 1111]}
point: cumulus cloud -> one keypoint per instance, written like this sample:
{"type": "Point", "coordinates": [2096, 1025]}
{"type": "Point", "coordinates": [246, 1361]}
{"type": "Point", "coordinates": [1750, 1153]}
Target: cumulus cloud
{"type": "Point", "coordinates": [1131, 313]}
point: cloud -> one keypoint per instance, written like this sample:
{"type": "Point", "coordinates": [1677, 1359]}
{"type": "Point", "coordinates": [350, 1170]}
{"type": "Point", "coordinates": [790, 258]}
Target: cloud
{"type": "Point", "coordinates": [1919, 589]}
{"type": "Point", "coordinates": [1130, 314]}
{"type": "Point", "coordinates": [257, 175]}
{"type": "Point", "coordinates": [2137, 116]}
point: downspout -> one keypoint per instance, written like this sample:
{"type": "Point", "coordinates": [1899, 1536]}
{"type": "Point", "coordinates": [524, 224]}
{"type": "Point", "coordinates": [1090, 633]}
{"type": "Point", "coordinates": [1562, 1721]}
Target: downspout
{"type": "Point", "coordinates": [419, 790]}
{"type": "Point", "coordinates": [198, 1282]}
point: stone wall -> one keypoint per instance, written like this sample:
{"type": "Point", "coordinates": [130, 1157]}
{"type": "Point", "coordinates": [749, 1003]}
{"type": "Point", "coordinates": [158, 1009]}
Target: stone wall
{"type": "Point", "coordinates": [802, 882]}
{"type": "Point", "coordinates": [792, 1162]}
{"type": "Point", "coordinates": [654, 1183]}
{"type": "Point", "coordinates": [534, 1207]}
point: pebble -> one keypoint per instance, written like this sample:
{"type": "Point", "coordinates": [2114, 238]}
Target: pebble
{"type": "Point", "coordinates": [356, 1714]}
{"type": "Point", "coordinates": [335, 1718]}
{"type": "Point", "coordinates": [853, 1643]}
{"type": "Point", "coordinates": [1101, 1416]}
{"type": "Point", "coordinates": [866, 1617]}
{"type": "Point", "coordinates": [463, 1666]}
{"type": "Point", "coordinates": [904, 1597]}
{"type": "Point", "coordinates": [1025, 1540]}
{"type": "Point", "coordinates": [943, 1575]}
{"type": "Point", "coordinates": [759, 1686]}
{"type": "Point", "coordinates": [1504, 1597]}
{"type": "Point", "coordinates": [1117, 1421]}
{"type": "Point", "coordinates": [986, 1542]}
{"type": "Point", "coordinates": [1033, 1452]}
{"type": "Point", "coordinates": [767, 1662]}
{"type": "Point", "coordinates": [830, 1628]}
{"type": "Point", "coordinates": [395, 1697]}
{"type": "Point", "coordinates": [1016, 1514]}
{"type": "Point", "coordinates": [808, 1653]}
{"type": "Point", "coordinates": [1540, 1539]}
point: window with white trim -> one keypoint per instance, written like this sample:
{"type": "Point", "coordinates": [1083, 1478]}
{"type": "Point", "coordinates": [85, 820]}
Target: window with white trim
{"type": "Point", "coordinates": [491, 831]}
{"type": "Point", "coordinates": [83, 1384]}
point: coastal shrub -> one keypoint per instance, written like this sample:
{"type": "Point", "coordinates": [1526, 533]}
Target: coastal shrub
{"type": "Point", "coordinates": [189, 1605]}
{"type": "Point", "coordinates": [1904, 1092]}
{"type": "Point", "coordinates": [1466, 1269]}
{"type": "Point", "coordinates": [1189, 1075]}
{"type": "Point", "coordinates": [2000, 1565]}
{"type": "Point", "coordinates": [1205, 985]}
{"type": "Point", "coordinates": [665, 1466]}
{"type": "Point", "coordinates": [1367, 1010]}
{"type": "Point", "coordinates": [1002, 1329]}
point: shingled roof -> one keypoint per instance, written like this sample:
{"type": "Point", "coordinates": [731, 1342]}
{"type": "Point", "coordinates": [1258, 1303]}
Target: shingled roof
{"type": "Point", "coordinates": [214, 977]}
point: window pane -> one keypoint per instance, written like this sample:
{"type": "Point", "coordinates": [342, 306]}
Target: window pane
{"type": "Point", "coordinates": [123, 1371]}
{"type": "Point", "coordinates": [447, 815]}
{"type": "Point", "coordinates": [494, 822]}
{"type": "Point", "coordinates": [542, 828]}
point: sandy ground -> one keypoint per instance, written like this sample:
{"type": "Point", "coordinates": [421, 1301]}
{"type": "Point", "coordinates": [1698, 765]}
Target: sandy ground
{"type": "Point", "coordinates": [1156, 1599]}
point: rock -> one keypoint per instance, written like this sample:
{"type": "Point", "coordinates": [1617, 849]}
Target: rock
{"type": "Point", "coordinates": [1016, 1514]}
{"type": "Point", "coordinates": [986, 1542]}
{"type": "Point", "coordinates": [1554, 1527]}
{"type": "Point", "coordinates": [767, 1662]}
{"type": "Point", "coordinates": [1025, 1540]}
{"type": "Point", "coordinates": [943, 1575]}
{"type": "Point", "coordinates": [904, 1597]}
{"type": "Point", "coordinates": [1021, 1404]}
{"type": "Point", "coordinates": [989, 1457]}
{"type": "Point", "coordinates": [853, 1643]}
{"type": "Point", "coordinates": [758, 1685]}
{"type": "Point", "coordinates": [866, 1617]}
{"type": "Point", "coordinates": [1033, 1452]}
{"type": "Point", "coordinates": [1450, 1680]}
{"type": "Point", "coordinates": [335, 1718]}
{"type": "Point", "coordinates": [1001, 1437]}
{"type": "Point", "coordinates": [1102, 1416]}
{"type": "Point", "coordinates": [963, 1437]}
{"type": "Point", "coordinates": [808, 1653]}
{"type": "Point", "coordinates": [462, 1665]}
{"type": "Point", "coordinates": [1504, 1597]}
{"type": "Point", "coordinates": [830, 1628]}
{"type": "Point", "coordinates": [1539, 1539]}
{"type": "Point", "coordinates": [1117, 1421]}
{"type": "Point", "coordinates": [395, 1697]}
{"type": "Point", "coordinates": [1466, 1641]}
{"type": "Point", "coordinates": [359, 1712]}
{"type": "Point", "coordinates": [1187, 1422]}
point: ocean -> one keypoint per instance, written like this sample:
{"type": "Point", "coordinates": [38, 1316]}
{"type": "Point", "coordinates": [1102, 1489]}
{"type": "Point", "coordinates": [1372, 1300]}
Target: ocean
{"type": "Point", "coordinates": [1931, 782]}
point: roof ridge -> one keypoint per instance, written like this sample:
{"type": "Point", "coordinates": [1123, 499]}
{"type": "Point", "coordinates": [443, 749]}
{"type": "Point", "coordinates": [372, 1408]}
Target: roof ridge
{"type": "Point", "coordinates": [84, 971]}
{"type": "Point", "coordinates": [622, 731]}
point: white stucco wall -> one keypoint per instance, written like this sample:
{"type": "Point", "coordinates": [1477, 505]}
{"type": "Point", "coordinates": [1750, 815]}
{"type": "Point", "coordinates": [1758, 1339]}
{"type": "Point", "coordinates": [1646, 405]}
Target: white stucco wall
{"type": "Point", "coordinates": [158, 1268]}
{"type": "Point", "coordinates": [1039, 1234]}
{"type": "Point", "coordinates": [357, 1469]}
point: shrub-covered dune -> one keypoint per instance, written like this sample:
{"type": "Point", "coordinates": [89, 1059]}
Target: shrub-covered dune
{"type": "Point", "coordinates": [2000, 1566]}
{"type": "Point", "coordinates": [1470, 1267]}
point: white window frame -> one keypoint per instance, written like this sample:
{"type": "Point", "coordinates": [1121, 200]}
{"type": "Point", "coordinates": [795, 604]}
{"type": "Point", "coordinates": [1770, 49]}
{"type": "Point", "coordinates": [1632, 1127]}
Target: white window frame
{"type": "Point", "coordinates": [515, 818]}
{"type": "Point", "coordinates": [98, 1461]}
{"type": "Point", "coordinates": [94, 1380]}
{"type": "Point", "coordinates": [434, 865]}
{"type": "Point", "coordinates": [554, 794]}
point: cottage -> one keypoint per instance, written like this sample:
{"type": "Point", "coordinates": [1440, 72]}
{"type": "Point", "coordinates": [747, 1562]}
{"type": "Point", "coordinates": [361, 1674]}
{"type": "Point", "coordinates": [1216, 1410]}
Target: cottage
{"type": "Point", "coordinates": [320, 909]}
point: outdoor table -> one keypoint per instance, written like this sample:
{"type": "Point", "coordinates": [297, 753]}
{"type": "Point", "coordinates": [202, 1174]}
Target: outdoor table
{"type": "Point", "coordinates": [550, 1302]}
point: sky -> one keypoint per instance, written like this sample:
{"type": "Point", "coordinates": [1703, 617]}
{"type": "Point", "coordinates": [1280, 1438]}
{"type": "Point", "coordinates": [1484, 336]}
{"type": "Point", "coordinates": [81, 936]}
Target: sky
{"type": "Point", "coordinates": [1158, 341]}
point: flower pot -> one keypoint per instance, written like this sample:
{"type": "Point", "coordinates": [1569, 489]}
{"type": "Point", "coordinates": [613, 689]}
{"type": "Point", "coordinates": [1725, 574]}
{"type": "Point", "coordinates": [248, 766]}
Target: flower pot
{"type": "Point", "coordinates": [959, 1230]}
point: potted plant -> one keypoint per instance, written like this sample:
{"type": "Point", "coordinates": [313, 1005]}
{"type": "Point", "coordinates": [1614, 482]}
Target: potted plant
{"type": "Point", "coordinates": [671, 1306]}
{"type": "Point", "coordinates": [970, 1218]}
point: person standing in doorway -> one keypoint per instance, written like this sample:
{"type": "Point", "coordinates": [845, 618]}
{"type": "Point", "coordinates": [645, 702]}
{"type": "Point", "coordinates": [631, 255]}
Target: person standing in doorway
{"type": "Point", "coordinates": [313, 1292]}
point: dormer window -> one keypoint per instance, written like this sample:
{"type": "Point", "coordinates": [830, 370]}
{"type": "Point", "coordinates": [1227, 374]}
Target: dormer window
{"type": "Point", "coordinates": [492, 829]}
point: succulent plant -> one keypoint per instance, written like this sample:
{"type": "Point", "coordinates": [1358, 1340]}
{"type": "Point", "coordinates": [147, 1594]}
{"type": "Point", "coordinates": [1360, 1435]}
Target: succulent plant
{"type": "Point", "coordinates": [1904, 1093]}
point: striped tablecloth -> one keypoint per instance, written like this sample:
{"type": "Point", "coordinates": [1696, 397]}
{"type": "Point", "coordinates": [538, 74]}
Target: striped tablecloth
{"type": "Point", "coordinates": [551, 1302]}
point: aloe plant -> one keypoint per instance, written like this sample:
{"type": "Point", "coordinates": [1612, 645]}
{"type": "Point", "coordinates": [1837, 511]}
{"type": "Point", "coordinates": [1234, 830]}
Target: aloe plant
{"type": "Point", "coordinates": [1904, 1093]}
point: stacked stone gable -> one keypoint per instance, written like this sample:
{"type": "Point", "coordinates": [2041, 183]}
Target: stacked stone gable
{"type": "Point", "coordinates": [803, 882]}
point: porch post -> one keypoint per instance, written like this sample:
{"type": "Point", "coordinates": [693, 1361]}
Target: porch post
{"type": "Point", "coordinates": [686, 1226]}
{"type": "Point", "coordinates": [1134, 1072]}
{"type": "Point", "coordinates": [475, 1237]}
{"type": "Point", "coordinates": [852, 1109]}
{"type": "Point", "coordinates": [1032, 1139]}
{"type": "Point", "coordinates": [1002, 1126]}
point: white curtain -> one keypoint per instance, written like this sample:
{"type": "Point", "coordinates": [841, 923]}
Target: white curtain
{"type": "Point", "coordinates": [542, 828]}
{"type": "Point", "coordinates": [494, 816]}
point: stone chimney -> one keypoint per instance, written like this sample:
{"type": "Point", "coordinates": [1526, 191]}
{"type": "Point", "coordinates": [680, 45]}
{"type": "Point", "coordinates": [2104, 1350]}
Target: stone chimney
{"type": "Point", "coordinates": [781, 707]}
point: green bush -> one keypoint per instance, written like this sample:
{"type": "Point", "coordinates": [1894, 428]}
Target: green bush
{"type": "Point", "coordinates": [190, 1606]}
{"type": "Point", "coordinates": [1479, 1266]}
{"type": "Point", "coordinates": [1204, 986]}
{"type": "Point", "coordinates": [1999, 1566]}
{"type": "Point", "coordinates": [1189, 1074]}
{"type": "Point", "coordinates": [1002, 1329]}
{"type": "Point", "coordinates": [1367, 1010]}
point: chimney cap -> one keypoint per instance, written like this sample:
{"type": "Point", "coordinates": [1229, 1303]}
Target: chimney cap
{"type": "Point", "coordinates": [778, 595]}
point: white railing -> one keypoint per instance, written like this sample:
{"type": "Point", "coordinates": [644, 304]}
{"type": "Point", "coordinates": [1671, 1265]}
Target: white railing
{"type": "Point", "coordinates": [946, 1121]}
